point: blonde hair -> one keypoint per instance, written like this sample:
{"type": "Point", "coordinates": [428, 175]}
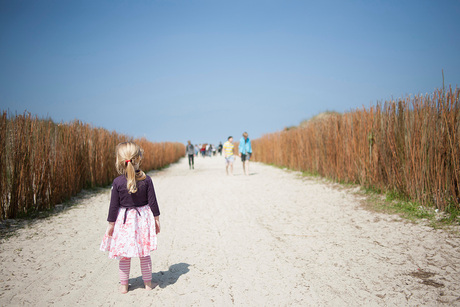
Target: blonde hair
{"type": "Point", "coordinates": [129, 157]}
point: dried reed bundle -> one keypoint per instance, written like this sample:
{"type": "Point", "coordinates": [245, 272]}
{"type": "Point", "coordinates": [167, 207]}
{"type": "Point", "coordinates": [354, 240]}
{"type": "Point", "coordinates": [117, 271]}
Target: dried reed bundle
{"type": "Point", "coordinates": [43, 163]}
{"type": "Point", "coordinates": [410, 146]}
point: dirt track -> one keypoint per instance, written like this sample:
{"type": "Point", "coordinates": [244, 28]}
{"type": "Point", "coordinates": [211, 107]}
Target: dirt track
{"type": "Point", "coordinates": [272, 238]}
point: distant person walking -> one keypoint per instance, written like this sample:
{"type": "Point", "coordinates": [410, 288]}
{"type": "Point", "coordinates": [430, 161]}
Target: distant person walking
{"type": "Point", "coordinates": [203, 150]}
{"type": "Point", "coordinates": [228, 154]}
{"type": "Point", "coordinates": [219, 148]}
{"type": "Point", "coordinates": [134, 217]}
{"type": "Point", "coordinates": [245, 150]}
{"type": "Point", "coordinates": [190, 151]}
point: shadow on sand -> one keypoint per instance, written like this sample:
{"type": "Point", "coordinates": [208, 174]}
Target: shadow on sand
{"type": "Point", "coordinates": [162, 278]}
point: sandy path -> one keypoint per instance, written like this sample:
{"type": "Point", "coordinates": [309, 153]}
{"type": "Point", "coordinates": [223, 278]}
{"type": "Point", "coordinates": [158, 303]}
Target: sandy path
{"type": "Point", "coordinates": [272, 238]}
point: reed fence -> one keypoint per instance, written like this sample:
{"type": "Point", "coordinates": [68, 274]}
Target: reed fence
{"type": "Point", "coordinates": [410, 146]}
{"type": "Point", "coordinates": [43, 163]}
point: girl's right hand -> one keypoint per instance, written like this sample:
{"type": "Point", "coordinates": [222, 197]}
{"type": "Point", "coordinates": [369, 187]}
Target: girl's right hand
{"type": "Point", "coordinates": [110, 229]}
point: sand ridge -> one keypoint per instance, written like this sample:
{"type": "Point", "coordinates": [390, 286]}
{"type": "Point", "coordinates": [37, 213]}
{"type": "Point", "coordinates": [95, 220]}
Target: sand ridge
{"type": "Point", "coordinates": [271, 238]}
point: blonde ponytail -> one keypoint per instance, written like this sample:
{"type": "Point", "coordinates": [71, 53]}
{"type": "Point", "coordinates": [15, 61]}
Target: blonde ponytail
{"type": "Point", "coordinates": [129, 157]}
{"type": "Point", "coordinates": [131, 177]}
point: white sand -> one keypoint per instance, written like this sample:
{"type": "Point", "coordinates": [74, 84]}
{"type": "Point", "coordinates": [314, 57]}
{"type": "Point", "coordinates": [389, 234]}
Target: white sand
{"type": "Point", "coordinates": [270, 239]}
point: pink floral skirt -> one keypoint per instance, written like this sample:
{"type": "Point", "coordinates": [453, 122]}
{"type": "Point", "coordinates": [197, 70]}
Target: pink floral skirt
{"type": "Point", "coordinates": [134, 238]}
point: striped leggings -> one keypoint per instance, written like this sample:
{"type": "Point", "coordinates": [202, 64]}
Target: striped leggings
{"type": "Point", "coordinates": [125, 266]}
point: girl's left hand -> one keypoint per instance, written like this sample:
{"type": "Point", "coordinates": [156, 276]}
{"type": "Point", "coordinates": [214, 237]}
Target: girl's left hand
{"type": "Point", "coordinates": [157, 225]}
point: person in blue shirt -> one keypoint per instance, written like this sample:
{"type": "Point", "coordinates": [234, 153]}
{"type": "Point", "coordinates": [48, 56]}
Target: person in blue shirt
{"type": "Point", "coordinates": [245, 152]}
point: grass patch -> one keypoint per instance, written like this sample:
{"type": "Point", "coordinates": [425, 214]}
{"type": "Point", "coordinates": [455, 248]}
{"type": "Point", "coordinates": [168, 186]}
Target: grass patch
{"type": "Point", "coordinates": [310, 174]}
{"type": "Point", "coordinates": [452, 215]}
{"type": "Point", "coordinates": [392, 202]}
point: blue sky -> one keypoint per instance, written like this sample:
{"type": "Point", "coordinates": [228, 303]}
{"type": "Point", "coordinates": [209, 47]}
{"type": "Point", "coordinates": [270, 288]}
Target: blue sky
{"type": "Point", "coordinates": [203, 70]}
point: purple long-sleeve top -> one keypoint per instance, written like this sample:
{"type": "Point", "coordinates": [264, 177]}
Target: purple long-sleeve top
{"type": "Point", "coordinates": [120, 197]}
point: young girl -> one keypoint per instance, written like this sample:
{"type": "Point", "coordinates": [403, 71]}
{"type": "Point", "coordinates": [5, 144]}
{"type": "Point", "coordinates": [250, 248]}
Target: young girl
{"type": "Point", "coordinates": [134, 216]}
